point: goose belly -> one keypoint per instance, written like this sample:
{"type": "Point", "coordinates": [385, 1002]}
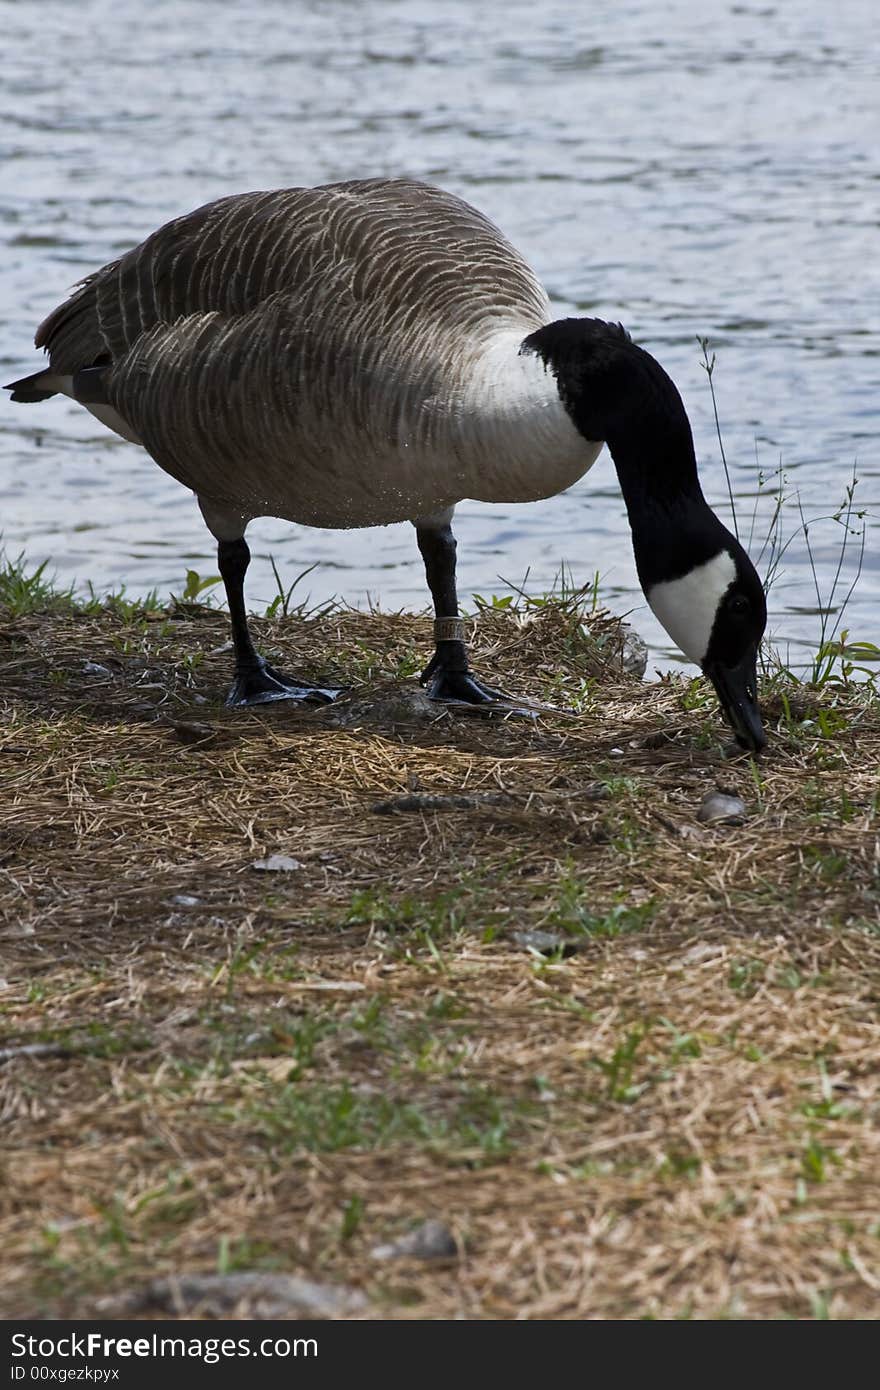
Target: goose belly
{"type": "Point", "coordinates": [518, 475]}
{"type": "Point", "coordinates": [336, 489]}
{"type": "Point", "coordinates": [378, 489]}
{"type": "Point", "coordinates": [375, 486]}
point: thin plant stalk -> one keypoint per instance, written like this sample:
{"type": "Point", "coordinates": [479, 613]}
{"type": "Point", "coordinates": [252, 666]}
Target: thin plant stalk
{"type": "Point", "coordinates": [708, 365]}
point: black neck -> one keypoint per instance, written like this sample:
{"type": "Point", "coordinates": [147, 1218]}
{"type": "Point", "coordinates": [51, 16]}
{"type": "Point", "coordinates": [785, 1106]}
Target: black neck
{"type": "Point", "coordinates": [615, 391]}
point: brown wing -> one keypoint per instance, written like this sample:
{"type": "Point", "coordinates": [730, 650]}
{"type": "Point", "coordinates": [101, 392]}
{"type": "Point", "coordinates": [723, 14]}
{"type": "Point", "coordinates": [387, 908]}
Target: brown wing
{"type": "Point", "coordinates": [405, 248]}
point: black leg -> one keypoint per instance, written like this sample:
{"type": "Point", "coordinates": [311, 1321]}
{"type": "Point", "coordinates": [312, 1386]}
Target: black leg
{"type": "Point", "coordinates": [448, 676]}
{"type": "Point", "coordinates": [256, 683]}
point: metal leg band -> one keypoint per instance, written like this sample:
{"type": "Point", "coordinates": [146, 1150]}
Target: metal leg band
{"type": "Point", "coordinates": [448, 630]}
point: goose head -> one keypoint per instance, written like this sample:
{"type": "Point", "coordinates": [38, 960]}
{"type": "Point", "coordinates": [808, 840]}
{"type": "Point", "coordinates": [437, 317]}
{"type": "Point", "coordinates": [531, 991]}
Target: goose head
{"type": "Point", "coordinates": [697, 578]}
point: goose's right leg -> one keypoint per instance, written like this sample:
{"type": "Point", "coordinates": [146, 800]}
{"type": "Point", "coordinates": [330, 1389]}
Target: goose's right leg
{"type": "Point", "coordinates": [448, 675]}
{"type": "Point", "coordinates": [255, 682]}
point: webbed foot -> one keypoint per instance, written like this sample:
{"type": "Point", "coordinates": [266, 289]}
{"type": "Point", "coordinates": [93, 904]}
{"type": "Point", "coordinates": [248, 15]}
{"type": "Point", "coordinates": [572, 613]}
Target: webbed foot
{"type": "Point", "coordinates": [261, 684]}
{"type": "Point", "coordinates": [459, 687]}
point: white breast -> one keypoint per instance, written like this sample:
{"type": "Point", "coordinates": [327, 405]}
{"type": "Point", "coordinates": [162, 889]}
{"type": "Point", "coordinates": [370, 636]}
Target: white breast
{"type": "Point", "coordinates": [514, 433]}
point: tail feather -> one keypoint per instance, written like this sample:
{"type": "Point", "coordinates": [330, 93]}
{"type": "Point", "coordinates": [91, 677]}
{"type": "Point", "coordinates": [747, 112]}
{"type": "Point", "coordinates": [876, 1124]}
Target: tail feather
{"type": "Point", "coordinates": [38, 387]}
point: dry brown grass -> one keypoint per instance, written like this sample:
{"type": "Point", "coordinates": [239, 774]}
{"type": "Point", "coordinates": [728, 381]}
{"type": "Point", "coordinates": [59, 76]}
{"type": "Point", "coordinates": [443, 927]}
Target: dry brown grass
{"type": "Point", "coordinates": [206, 1066]}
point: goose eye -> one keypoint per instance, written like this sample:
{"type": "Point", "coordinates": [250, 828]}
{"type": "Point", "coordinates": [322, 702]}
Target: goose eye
{"type": "Point", "coordinates": [739, 605]}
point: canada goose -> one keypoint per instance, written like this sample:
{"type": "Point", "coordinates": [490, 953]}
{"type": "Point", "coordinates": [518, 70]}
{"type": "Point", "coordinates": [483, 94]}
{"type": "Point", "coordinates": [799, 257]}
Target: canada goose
{"type": "Point", "coordinates": [375, 351]}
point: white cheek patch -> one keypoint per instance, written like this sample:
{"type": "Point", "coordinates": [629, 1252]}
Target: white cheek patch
{"type": "Point", "coordinates": [687, 606]}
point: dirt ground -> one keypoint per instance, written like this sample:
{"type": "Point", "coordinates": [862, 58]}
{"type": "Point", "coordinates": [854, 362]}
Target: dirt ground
{"type": "Point", "coordinates": [501, 978]}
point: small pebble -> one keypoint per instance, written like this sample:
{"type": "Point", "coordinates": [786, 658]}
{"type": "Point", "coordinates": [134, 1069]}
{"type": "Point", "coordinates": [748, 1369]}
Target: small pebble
{"type": "Point", "coordinates": [633, 652]}
{"type": "Point", "coordinates": [94, 668]}
{"type": "Point", "coordinates": [544, 942]}
{"type": "Point", "coordinates": [277, 864]}
{"type": "Point", "coordinates": [703, 951]}
{"type": "Point", "coordinates": [722, 808]}
{"type": "Point", "coordinates": [432, 1240]}
{"type": "Point", "coordinates": [185, 900]}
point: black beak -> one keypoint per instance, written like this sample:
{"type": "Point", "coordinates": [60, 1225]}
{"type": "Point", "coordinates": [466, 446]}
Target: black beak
{"type": "Point", "coordinates": [737, 687]}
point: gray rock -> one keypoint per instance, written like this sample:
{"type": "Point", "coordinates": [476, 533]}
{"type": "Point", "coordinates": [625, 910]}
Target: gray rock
{"type": "Point", "coordinates": [633, 652]}
{"type": "Point", "coordinates": [721, 808]}
{"type": "Point", "coordinates": [277, 864]}
{"type": "Point", "coordinates": [38, 1049]}
{"type": "Point", "coordinates": [545, 942]}
{"type": "Point", "coordinates": [432, 1240]}
{"type": "Point", "coordinates": [250, 1294]}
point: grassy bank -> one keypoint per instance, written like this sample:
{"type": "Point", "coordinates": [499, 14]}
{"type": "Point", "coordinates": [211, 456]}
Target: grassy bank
{"type": "Point", "coordinates": [508, 981]}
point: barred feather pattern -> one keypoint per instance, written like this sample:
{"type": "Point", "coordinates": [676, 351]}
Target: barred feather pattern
{"type": "Point", "coordinates": [317, 353]}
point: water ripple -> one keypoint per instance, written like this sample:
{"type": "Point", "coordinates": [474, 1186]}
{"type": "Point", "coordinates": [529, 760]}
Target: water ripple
{"type": "Point", "coordinates": [696, 172]}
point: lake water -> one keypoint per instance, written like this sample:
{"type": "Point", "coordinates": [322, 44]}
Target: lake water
{"type": "Point", "coordinates": [691, 169]}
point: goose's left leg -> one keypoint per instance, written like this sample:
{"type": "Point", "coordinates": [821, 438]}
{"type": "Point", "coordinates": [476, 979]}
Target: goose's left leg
{"type": "Point", "coordinates": [448, 676]}
{"type": "Point", "coordinates": [256, 682]}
